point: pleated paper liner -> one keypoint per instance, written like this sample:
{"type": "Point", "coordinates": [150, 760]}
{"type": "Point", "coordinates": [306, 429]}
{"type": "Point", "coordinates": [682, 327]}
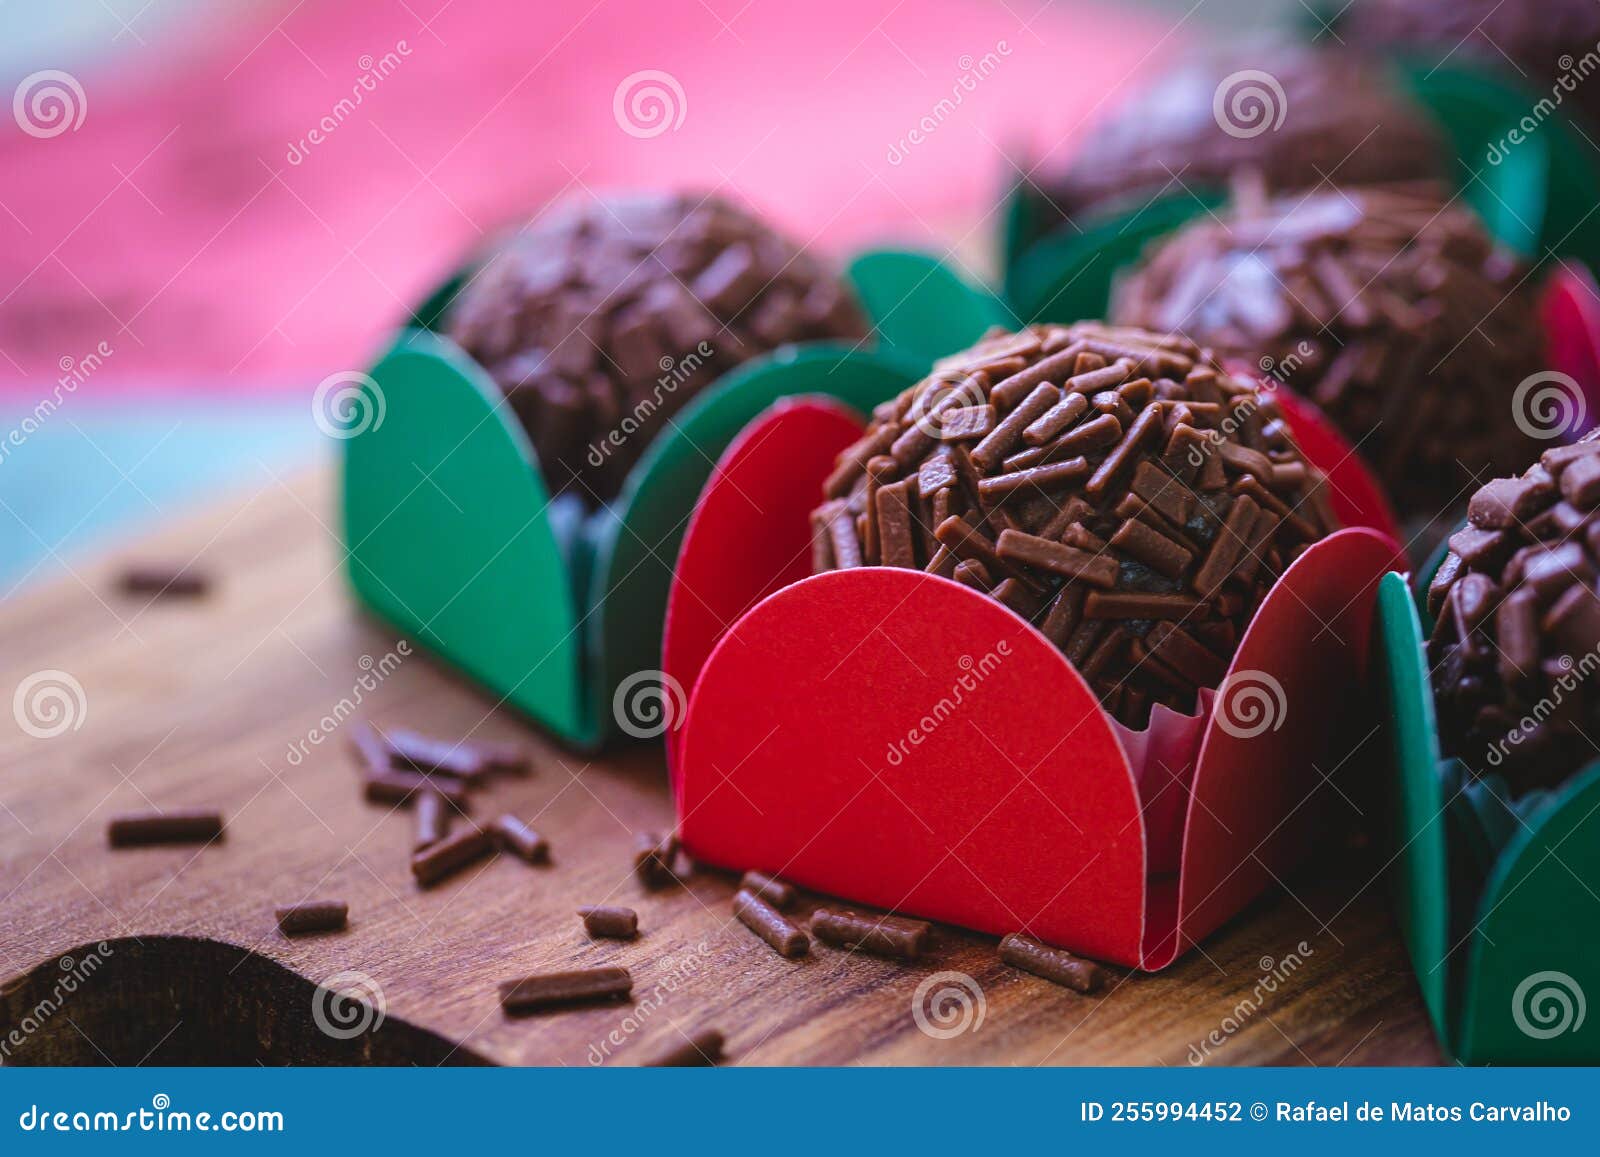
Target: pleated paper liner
{"type": "Point", "coordinates": [1535, 192]}
{"type": "Point", "coordinates": [453, 538]}
{"type": "Point", "coordinates": [898, 740]}
{"type": "Point", "coordinates": [1498, 898]}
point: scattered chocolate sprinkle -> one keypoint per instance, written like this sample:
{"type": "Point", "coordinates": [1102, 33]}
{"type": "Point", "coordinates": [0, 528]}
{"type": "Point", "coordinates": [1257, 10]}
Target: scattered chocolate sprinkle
{"type": "Point", "coordinates": [507, 758]}
{"type": "Point", "coordinates": [443, 859]}
{"type": "Point", "coordinates": [313, 916]}
{"type": "Point", "coordinates": [774, 891]}
{"type": "Point", "coordinates": [402, 788]}
{"type": "Point", "coordinates": [701, 1049]}
{"type": "Point", "coordinates": [158, 581]}
{"type": "Point", "coordinates": [610, 922]}
{"type": "Point", "coordinates": [655, 859]}
{"type": "Point", "coordinates": [554, 989]}
{"type": "Point", "coordinates": [369, 746]}
{"type": "Point", "coordinates": [432, 819]}
{"type": "Point", "coordinates": [426, 754]}
{"type": "Point", "coordinates": [520, 840]}
{"type": "Point", "coordinates": [1054, 964]}
{"type": "Point", "coordinates": [771, 925]}
{"type": "Point", "coordinates": [881, 935]}
{"type": "Point", "coordinates": [179, 826]}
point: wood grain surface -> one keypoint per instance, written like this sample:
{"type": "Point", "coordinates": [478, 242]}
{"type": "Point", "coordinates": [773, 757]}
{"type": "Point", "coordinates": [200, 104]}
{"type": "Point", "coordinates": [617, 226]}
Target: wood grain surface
{"type": "Point", "coordinates": [173, 955]}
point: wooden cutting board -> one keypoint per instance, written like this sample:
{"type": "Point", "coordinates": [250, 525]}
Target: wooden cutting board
{"type": "Point", "coordinates": [171, 955]}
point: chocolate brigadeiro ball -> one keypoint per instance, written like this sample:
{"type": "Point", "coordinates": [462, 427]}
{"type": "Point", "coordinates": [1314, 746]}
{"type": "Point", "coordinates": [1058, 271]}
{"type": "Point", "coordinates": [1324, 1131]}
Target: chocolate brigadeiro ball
{"type": "Point", "coordinates": [1544, 45]}
{"type": "Point", "coordinates": [1393, 312]}
{"type": "Point", "coordinates": [1116, 488]}
{"type": "Point", "coordinates": [1335, 118]}
{"type": "Point", "coordinates": [604, 318]}
{"type": "Point", "coordinates": [1516, 644]}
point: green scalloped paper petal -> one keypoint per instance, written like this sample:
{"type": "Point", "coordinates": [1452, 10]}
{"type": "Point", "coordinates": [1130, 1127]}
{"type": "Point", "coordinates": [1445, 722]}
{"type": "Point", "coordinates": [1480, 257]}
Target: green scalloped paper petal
{"type": "Point", "coordinates": [1572, 180]}
{"type": "Point", "coordinates": [430, 314]}
{"type": "Point", "coordinates": [1421, 881]}
{"type": "Point", "coordinates": [1496, 816]}
{"type": "Point", "coordinates": [1019, 229]}
{"type": "Point", "coordinates": [921, 309]}
{"type": "Point", "coordinates": [636, 541]}
{"type": "Point", "coordinates": [1478, 111]}
{"type": "Point", "coordinates": [1536, 940]}
{"type": "Point", "coordinates": [1068, 277]}
{"type": "Point", "coordinates": [1315, 19]}
{"type": "Point", "coordinates": [446, 525]}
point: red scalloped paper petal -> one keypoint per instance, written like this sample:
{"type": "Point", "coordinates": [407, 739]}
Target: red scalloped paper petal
{"type": "Point", "coordinates": [897, 739]}
{"type": "Point", "coordinates": [750, 533]}
{"type": "Point", "coordinates": [1569, 310]}
{"type": "Point", "coordinates": [1357, 498]}
{"type": "Point", "coordinates": [1252, 813]}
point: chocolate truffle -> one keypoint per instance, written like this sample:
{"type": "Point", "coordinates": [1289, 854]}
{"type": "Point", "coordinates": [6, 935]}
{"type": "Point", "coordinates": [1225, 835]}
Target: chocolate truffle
{"type": "Point", "coordinates": [1116, 488]}
{"type": "Point", "coordinates": [1299, 117]}
{"type": "Point", "coordinates": [1548, 47]}
{"type": "Point", "coordinates": [1393, 311]}
{"type": "Point", "coordinates": [602, 319]}
{"type": "Point", "coordinates": [1516, 641]}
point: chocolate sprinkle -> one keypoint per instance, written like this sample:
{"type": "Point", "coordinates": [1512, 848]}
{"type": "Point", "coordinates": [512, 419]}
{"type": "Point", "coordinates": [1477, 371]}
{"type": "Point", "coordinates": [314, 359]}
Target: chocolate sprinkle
{"type": "Point", "coordinates": [312, 916]}
{"type": "Point", "coordinates": [1516, 637]}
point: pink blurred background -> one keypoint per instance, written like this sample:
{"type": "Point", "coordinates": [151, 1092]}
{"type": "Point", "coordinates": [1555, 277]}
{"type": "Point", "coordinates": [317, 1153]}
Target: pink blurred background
{"type": "Point", "coordinates": [191, 222]}
{"type": "Point", "coordinates": [208, 206]}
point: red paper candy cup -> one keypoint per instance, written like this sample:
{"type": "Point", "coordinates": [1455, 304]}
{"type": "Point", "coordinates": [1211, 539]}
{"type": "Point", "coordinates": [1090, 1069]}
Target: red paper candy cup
{"type": "Point", "coordinates": [899, 740]}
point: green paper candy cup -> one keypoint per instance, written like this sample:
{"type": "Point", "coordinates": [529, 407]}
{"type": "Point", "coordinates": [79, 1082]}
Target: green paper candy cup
{"type": "Point", "coordinates": [1498, 899]}
{"type": "Point", "coordinates": [453, 539]}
